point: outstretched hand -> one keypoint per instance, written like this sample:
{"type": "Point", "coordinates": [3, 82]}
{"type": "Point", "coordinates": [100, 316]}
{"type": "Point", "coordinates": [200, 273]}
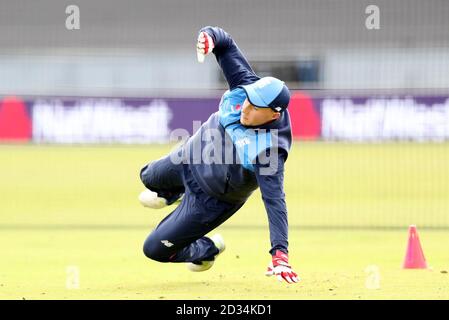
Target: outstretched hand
{"type": "Point", "coordinates": [281, 269]}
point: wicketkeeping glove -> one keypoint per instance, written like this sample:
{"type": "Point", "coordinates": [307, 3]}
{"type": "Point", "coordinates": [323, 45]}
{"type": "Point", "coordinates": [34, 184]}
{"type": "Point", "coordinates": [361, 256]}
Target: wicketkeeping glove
{"type": "Point", "coordinates": [281, 269]}
{"type": "Point", "coordinates": [204, 46]}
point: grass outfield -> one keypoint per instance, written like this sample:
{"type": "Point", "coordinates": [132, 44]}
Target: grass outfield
{"type": "Point", "coordinates": [77, 206]}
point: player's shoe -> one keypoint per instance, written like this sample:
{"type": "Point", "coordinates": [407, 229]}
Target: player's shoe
{"type": "Point", "coordinates": [151, 199]}
{"type": "Point", "coordinates": [206, 265]}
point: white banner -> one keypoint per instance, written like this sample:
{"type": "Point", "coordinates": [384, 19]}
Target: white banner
{"type": "Point", "coordinates": [384, 119]}
{"type": "Point", "coordinates": [100, 121]}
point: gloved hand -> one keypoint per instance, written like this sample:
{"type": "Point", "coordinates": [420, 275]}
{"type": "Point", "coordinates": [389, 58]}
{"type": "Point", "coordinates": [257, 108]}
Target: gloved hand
{"type": "Point", "coordinates": [281, 269]}
{"type": "Point", "coordinates": [204, 46]}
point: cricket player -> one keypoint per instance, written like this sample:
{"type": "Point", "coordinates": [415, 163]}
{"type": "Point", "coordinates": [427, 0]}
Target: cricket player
{"type": "Point", "coordinates": [250, 137]}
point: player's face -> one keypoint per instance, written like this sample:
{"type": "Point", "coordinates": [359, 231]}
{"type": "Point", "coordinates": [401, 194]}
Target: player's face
{"type": "Point", "coordinates": [254, 116]}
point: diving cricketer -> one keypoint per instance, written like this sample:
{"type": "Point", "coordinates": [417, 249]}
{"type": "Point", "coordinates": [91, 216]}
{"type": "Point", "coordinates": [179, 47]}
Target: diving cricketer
{"type": "Point", "coordinates": [251, 140]}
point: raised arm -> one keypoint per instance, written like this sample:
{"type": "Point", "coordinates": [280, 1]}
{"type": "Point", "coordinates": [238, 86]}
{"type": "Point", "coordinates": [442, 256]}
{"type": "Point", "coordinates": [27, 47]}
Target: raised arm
{"type": "Point", "coordinates": [236, 68]}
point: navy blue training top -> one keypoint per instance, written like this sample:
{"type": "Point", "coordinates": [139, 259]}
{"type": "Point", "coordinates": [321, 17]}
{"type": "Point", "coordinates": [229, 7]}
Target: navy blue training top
{"type": "Point", "coordinates": [228, 160]}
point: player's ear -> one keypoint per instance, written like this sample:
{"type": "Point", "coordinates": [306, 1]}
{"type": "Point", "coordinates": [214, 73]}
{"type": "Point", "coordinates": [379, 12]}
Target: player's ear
{"type": "Point", "coordinates": [276, 115]}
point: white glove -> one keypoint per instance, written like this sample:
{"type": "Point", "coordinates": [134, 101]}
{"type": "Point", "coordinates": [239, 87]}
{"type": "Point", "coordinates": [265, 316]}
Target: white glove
{"type": "Point", "coordinates": [204, 46]}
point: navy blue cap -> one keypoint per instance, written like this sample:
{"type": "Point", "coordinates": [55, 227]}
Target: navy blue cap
{"type": "Point", "coordinates": [268, 92]}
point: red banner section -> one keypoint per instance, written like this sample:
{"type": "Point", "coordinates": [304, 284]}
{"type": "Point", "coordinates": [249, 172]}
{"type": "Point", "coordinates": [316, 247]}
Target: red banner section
{"type": "Point", "coordinates": [15, 122]}
{"type": "Point", "coordinates": [305, 117]}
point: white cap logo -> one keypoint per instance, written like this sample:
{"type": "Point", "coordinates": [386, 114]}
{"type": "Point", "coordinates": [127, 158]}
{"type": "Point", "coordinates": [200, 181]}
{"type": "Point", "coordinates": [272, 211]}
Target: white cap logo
{"type": "Point", "coordinates": [263, 82]}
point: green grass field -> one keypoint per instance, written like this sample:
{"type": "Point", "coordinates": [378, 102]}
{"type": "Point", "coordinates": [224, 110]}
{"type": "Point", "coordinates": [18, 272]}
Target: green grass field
{"type": "Point", "coordinates": [349, 209]}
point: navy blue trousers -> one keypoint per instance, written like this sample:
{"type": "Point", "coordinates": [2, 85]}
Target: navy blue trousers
{"type": "Point", "coordinates": [180, 237]}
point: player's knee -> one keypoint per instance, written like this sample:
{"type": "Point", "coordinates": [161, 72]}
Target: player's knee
{"type": "Point", "coordinates": [153, 250]}
{"type": "Point", "coordinates": [146, 175]}
{"type": "Point", "coordinates": [143, 173]}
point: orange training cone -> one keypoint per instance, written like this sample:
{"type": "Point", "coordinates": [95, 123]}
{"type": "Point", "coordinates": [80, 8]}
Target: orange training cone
{"type": "Point", "coordinates": [414, 257]}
